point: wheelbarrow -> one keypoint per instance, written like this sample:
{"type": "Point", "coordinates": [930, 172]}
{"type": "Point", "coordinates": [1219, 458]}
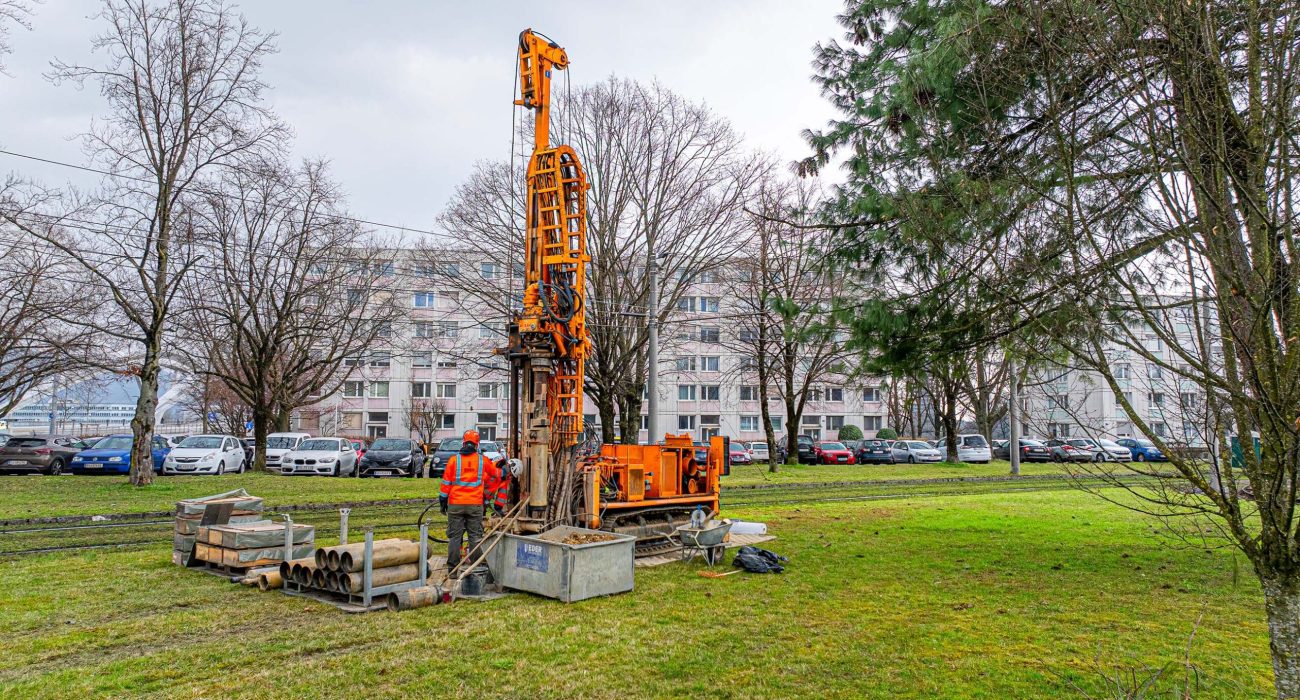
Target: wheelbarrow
{"type": "Point", "coordinates": [706, 540]}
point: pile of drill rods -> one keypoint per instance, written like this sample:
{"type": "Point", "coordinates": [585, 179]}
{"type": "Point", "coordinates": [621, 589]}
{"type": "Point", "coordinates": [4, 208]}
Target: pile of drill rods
{"type": "Point", "coordinates": [339, 569]}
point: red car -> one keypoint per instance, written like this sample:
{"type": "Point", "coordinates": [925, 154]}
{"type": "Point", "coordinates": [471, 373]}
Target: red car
{"type": "Point", "coordinates": [360, 447]}
{"type": "Point", "coordinates": [833, 453]}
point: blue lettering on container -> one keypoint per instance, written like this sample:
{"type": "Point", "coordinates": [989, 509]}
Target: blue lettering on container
{"type": "Point", "coordinates": [531, 556]}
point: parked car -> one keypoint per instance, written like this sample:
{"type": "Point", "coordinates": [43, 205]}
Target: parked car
{"type": "Point", "coordinates": [45, 454]}
{"type": "Point", "coordinates": [807, 454]}
{"type": "Point", "coordinates": [833, 453]}
{"type": "Point", "coordinates": [322, 457]}
{"type": "Point", "coordinates": [392, 457]}
{"type": "Point", "coordinates": [358, 446]}
{"type": "Point", "coordinates": [758, 451]}
{"type": "Point", "coordinates": [175, 440]}
{"type": "Point", "coordinates": [446, 448]}
{"type": "Point", "coordinates": [205, 454]}
{"type": "Point", "coordinates": [970, 448]}
{"type": "Point", "coordinates": [1031, 450]}
{"type": "Point", "coordinates": [1108, 451]}
{"type": "Point", "coordinates": [490, 449]}
{"type": "Point", "coordinates": [874, 452]}
{"type": "Point", "coordinates": [112, 455]}
{"type": "Point", "coordinates": [250, 449]}
{"type": "Point", "coordinates": [1071, 450]}
{"type": "Point", "coordinates": [739, 454]}
{"type": "Point", "coordinates": [914, 451]}
{"type": "Point", "coordinates": [1142, 450]}
{"type": "Point", "coordinates": [280, 444]}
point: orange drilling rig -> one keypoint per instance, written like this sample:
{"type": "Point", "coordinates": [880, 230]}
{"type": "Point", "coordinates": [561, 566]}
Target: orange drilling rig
{"type": "Point", "coordinates": [646, 490]}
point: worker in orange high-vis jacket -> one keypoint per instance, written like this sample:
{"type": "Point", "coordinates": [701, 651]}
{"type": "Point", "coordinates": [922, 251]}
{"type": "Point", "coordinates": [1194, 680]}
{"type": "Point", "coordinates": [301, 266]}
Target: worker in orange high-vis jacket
{"type": "Point", "coordinates": [463, 486]}
{"type": "Point", "coordinates": [498, 490]}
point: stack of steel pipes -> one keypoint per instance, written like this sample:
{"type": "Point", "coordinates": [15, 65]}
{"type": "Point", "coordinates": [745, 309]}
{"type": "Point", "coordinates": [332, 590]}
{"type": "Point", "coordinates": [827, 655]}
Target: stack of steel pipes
{"type": "Point", "coordinates": [340, 569]}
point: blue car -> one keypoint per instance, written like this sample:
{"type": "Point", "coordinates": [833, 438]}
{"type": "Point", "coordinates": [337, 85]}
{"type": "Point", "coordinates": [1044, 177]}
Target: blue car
{"type": "Point", "coordinates": [112, 455]}
{"type": "Point", "coordinates": [1142, 450]}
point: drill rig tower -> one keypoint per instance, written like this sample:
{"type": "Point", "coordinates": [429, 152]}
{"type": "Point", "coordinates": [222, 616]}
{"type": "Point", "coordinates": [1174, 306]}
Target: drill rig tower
{"type": "Point", "coordinates": [637, 489]}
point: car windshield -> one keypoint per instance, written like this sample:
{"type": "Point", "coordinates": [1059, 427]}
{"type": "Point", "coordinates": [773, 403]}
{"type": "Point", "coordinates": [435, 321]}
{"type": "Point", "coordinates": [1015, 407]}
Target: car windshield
{"type": "Point", "coordinates": [283, 442]}
{"type": "Point", "coordinates": [1108, 443]}
{"type": "Point", "coordinates": [1031, 443]}
{"type": "Point", "coordinates": [918, 445]}
{"type": "Point", "coordinates": [1144, 443]}
{"type": "Point", "coordinates": [319, 444]}
{"type": "Point", "coordinates": [974, 441]}
{"type": "Point", "coordinates": [1080, 443]}
{"type": "Point", "coordinates": [488, 446]}
{"type": "Point", "coordinates": [758, 445]}
{"type": "Point", "coordinates": [114, 442]}
{"type": "Point", "coordinates": [450, 445]}
{"type": "Point", "coordinates": [391, 445]}
{"type": "Point", "coordinates": [201, 442]}
{"type": "Point", "coordinates": [832, 446]}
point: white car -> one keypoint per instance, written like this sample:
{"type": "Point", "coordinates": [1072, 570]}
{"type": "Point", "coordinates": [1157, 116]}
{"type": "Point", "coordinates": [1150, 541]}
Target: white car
{"type": "Point", "coordinates": [970, 448]}
{"type": "Point", "coordinates": [205, 454]}
{"type": "Point", "coordinates": [492, 450]}
{"type": "Point", "coordinates": [322, 457]}
{"type": "Point", "coordinates": [278, 444]}
{"type": "Point", "coordinates": [914, 451]}
{"type": "Point", "coordinates": [1111, 451]}
{"type": "Point", "coordinates": [758, 451]}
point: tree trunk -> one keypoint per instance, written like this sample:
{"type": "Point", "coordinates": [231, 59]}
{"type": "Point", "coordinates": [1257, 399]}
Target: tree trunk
{"type": "Point", "coordinates": [950, 420]}
{"type": "Point", "coordinates": [1282, 605]}
{"type": "Point", "coordinates": [142, 422]}
{"type": "Point", "coordinates": [605, 407]}
{"type": "Point", "coordinates": [261, 425]}
{"type": "Point", "coordinates": [793, 422]}
{"type": "Point", "coordinates": [629, 417]}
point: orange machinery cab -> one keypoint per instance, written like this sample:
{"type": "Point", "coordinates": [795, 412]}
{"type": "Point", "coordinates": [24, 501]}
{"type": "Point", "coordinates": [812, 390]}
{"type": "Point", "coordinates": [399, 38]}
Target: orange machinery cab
{"type": "Point", "coordinates": [650, 489]}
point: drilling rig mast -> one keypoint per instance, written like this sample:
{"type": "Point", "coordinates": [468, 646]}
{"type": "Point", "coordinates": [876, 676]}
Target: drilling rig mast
{"type": "Point", "coordinates": [638, 489]}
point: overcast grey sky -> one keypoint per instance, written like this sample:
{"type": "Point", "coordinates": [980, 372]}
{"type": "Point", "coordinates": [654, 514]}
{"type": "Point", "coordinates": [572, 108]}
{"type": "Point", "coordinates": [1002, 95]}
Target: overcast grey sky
{"type": "Point", "coordinates": [402, 97]}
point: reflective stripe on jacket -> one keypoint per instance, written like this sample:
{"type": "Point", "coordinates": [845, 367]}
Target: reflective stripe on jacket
{"type": "Point", "coordinates": [462, 479]}
{"type": "Point", "coordinates": [498, 489]}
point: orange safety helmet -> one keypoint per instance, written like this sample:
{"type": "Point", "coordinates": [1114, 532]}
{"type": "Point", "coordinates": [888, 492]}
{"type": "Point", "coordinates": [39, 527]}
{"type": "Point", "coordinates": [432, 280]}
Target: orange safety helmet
{"type": "Point", "coordinates": [471, 436]}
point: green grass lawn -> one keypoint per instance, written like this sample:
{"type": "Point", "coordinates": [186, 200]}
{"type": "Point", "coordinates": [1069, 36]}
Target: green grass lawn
{"type": "Point", "coordinates": [41, 496]}
{"type": "Point", "coordinates": [989, 596]}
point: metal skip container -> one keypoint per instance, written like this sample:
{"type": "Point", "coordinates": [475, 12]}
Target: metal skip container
{"type": "Point", "coordinates": [544, 565]}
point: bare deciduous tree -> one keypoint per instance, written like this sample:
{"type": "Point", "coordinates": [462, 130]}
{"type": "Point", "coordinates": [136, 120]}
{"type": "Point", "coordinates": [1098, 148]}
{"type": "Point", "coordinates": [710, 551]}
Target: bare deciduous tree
{"type": "Point", "coordinates": [293, 291]}
{"type": "Point", "coordinates": [12, 12]}
{"type": "Point", "coordinates": [184, 101]}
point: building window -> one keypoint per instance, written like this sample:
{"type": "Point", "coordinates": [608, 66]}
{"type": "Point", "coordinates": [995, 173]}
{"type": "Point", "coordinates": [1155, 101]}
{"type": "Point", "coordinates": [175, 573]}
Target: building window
{"type": "Point", "coordinates": [811, 420]}
{"type": "Point", "coordinates": [709, 277]}
{"type": "Point", "coordinates": [446, 390]}
{"type": "Point", "coordinates": [710, 334]}
{"type": "Point", "coordinates": [424, 300]}
{"type": "Point", "coordinates": [748, 363]}
{"type": "Point", "coordinates": [353, 390]}
{"type": "Point", "coordinates": [352, 362]}
{"type": "Point", "coordinates": [1156, 398]}
{"type": "Point", "coordinates": [1123, 371]}
{"type": "Point", "coordinates": [377, 417]}
{"type": "Point", "coordinates": [1155, 372]}
{"type": "Point", "coordinates": [422, 359]}
{"type": "Point", "coordinates": [384, 329]}
{"type": "Point", "coordinates": [748, 335]}
{"type": "Point", "coordinates": [495, 329]}
{"type": "Point", "coordinates": [871, 395]}
{"type": "Point", "coordinates": [686, 304]}
{"type": "Point", "coordinates": [1160, 429]}
{"type": "Point", "coordinates": [381, 358]}
{"type": "Point", "coordinates": [1058, 430]}
{"type": "Point", "coordinates": [489, 270]}
{"type": "Point", "coordinates": [423, 329]}
{"type": "Point", "coordinates": [685, 392]}
{"type": "Point", "coordinates": [384, 268]}
{"type": "Point", "coordinates": [356, 296]}
{"type": "Point", "coordinates": [450, 269]}
{"type": "Point", "coordinates": [424, 270]}
{"type": "Point", "coordinates": [749, 393]}
{"type": "Point", "coordinates": [713, 419]}
{"type": "Point", "coordinates": [835, 393]}
{"type": "Point", "coordinates": [420, 390]}
{"type": "Point", "coordinates": [487, 419]}
{"type": "Point", "coordinates": [350, 421]}
{"type": "Point", "coordinates": [448, 421]}
{"type": "Point", "coordinates": [1188, 400]}
{"type": "Point", "coordinates": [709, 304]}
{"type": "Point", "coordinates": [873, 424]}
{"type": "Point", "coordinates": [710, 392]}
{"type": "Point", "coordinates": [379, 390]}
{"type": "Point", "coordinates": [446, 363]}
{"type": "Point", "coordinates": [710, 363]}
{"type": "Point", "coordinates": [489, 390]}
{"type": "Point", "coordinates": [685, 364]}
{"type": "Point", "coordinates": [834, 422]}
{"type": "Point", "coordinates": [749, 424]}
{"type": "Point", "coordinates": [686, 422]}
{"type": "Point", "coordinates": [448, 329]}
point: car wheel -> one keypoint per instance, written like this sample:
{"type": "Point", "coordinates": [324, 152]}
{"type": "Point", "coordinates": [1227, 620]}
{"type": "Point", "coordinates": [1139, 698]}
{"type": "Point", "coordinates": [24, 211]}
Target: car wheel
{"type": "Point", "coordinates": [56, 467]}
{"type": "Point", "coordinates": [242, 463]}
{"type": "Point", "coordinates": [1141, 457]}
{"type": "Point", "coordinates": [911, 459]}
{"type": "Point", "coordinates": [221, 468]}
{"type": "Point", "coordinates": [337, 469]}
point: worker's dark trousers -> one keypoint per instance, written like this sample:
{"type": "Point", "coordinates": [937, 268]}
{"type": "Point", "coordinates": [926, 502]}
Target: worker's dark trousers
{"type": "Point", "coordinates": [460, 519]}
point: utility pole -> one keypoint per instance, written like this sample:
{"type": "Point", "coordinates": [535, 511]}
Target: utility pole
{"type": "Point", "coordinates": [1013, 415]}
{"type": "Point", "coordinates": [54, 403]}
{"type": "Point", "coordinates": [652, 356]}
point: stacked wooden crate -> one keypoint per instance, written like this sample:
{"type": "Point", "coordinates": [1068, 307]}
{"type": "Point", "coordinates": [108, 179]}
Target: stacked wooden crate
{"type": "Point", "coordinates": [243, 509]}
{"type": "Point", "coordinates": [245, 545]}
